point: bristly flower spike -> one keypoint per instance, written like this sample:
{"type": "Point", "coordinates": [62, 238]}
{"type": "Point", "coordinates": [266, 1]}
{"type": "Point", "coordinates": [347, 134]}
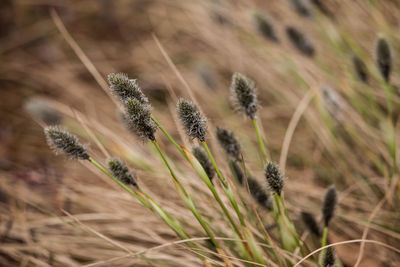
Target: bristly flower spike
{"type": "Point", "coordinates": [204, 159]}
{"type": "Point", "coordinates": [329, 204]}
{"type": "Point", "coordinates": [237, 171]}
{"type": "Point", "coordinates": [244, 94]}
{"type": "Point", "coordinates": [329, 257]}
{"type": "Point", "coordinates": [302, 7]}
{"type": "Point", "coordinates": [360, 68]}
{"type": "Point", "coordinates": [383, 57]}
{"type": "Point", "coordinates": [259, 193]}
{"type": "Point", "coordinates": [311, 224]}
{"type": "Point", "coordinates": [300, 41]}
{"type": "Point", "coordinates": [229, 143]}
{"type": "Point", "coordinates": [61, 141]}
{"type": "Point", "coordinates": [193, 121]}
{"type": "Point", "coordinates": [264, 25]}
{"type": "Point", "coordinates": [120, 171]}
{"type": "Point", "coordinates": [124, 88]}
{"type": "Point", "coordinates": [138, 120]}
{"type": "Point", "coordinates": [274, 178]}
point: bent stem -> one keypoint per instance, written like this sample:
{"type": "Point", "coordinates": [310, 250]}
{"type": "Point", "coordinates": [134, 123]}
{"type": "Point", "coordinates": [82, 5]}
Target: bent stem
{"type": "Point", "coordinates": [260, 141]}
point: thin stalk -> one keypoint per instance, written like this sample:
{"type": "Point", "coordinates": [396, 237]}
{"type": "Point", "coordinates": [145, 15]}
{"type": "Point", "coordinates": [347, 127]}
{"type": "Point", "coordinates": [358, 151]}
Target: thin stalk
{"type": "Point", "coordinates": [186, 197]}
{"type": "Point", "coordinates": [323, 244]}
{"type": "Point", "coordinates": [260, 140]}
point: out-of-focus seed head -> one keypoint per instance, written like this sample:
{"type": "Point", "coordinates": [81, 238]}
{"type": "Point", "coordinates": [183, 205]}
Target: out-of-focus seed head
{"type": "Point", "coordinates": [274, 178]}
{"type": "Point", "coordinates": [360, 68]}
{"type": "Point", "coordinates": [244, 94]}
{"type": "Point", "coordinates": [259, 194]}
{"type": "Point", "coordinates": [302, 7]}
{"type": "Point", "coordinates": [205, 161]}
{"type": "Point", "coordinates": [320, 4]}
{"type": "Point", "coordinates": [138, 120]}
{"type": "Point", "coordinates": [264, 24]}
{"type": "Point", "coordinates": [333, 102]}
{"type": "Point", "coordinates": [120, 171]}
{"type": "Point", "coordinates": [311, 224]}
{"type": "Point", "coordinates": [300, 41]}
{"type": "Point", "coordinates": [237, 171]}
{"type": "Point", "coordinates": [61, 141]}
{"type": "Point", "coordinates": [329, 257]}
{"type": "Point", "coordinates": [383, 57]}
{"type": "Point", "coordinates": [41, 110]}
{"type": "Point", "coordinates": [229, 143]}
{"type": "Point", "coordinates": [329, 204]}
{"type": "Point", "coordinates": [124, 88]}
{"type": "Point", "coordinates": [193, 121]}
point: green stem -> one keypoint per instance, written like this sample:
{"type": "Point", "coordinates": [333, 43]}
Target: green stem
{"type": "Point", "coordinates": [323, 244]}
{"type": "Point", "coordinates": [260, 141]}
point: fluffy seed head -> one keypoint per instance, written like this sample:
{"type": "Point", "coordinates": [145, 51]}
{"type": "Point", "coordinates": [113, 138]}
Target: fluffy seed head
{"type": "Point", "coordinates": [202, 157]}
{"type": "Point", "coordinates": [265, 26]}
{"type": "Point", "coordinates": [124, 88]}
{"type": "Point", "coordinates": [383, 57]}
{"type": "Point", "coordinates": [41, 110]}
{"type": "Point", "coordinates": [360, 68]}
{"type": "Point", "coordinates": [302, 7]}
{"type": "Point", "coordinates": [237, 171]}
{"type": "Point", "coordinates": [329, 204]}
{"type": "Point", "coordinates": [274, 178]}
{"type": "Point", "coordinates": [244, 94]}
{"type": "Point", "coordinates": [120, 171]}
{"type": "Point", "coordinates": [137, 119]}
{"type": "Point", "coordinates": [229, 143]}
{"type": "Point", "coordinates": [311, 224]}
{"type": "Point", "coordinates": [259, 194]}
{"type": "Point", "coordinates": [62, 141]}
{"type": "Point", "coordinates": [300, 41]}
{"type": "Point", "coordinates": [192, 120]}
{"type": "Point", "coordinates": [329, 257]}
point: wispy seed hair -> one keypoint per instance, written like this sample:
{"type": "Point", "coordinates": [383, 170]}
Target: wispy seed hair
{"type": "Point", "coordinates": [383, 57]}
{"type": "Point", "coordinates": [360, 68]}
{"type": "Point", "coordinates": [124, 88]}
{"type": "Point", "coordinates": [229, 143]}
{"type": "Point", "coordinates": [259, 193]}
{"type": "Point", "coordinates": [264, 24]}
{"type": "Point", "coordinates": [329, 257]}
{"type": "Point", "coordinates": [41, 110]}
{"type": "Point", "coordinates": [302, 7]}
{"type": "Point", "coordinates": [120, 171]}
{"type": "Point", "coordinates": [274, 178]}
{"type": "Point", "coordinates": [310, 222]}
{"type": "Point", "coordinates": [237, 171]}
{"type": "Point", "coordinates": [62, 142]}
{"type": "Point", "coordinates": [194, 123]}
{"type": "Point", "coordinates": [205, 161]}
{"type": "Point", "coordinates": [300, 41]}
{"type": "Point", "coordinates": [329, 204]}
{"type": "Point", "coordinates": [138, 120]}
{"type": "Point", "coordinates": [244, 94]}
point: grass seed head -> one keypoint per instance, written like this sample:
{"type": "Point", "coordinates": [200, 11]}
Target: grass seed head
{"type": "Point", "coordinates": [229, 143]}
{"type": "Point", "coordinates": [383, 57]}
{"type": "Point", "coordinates": [124, 88]}
{"type": "Point", "coordinates": [138, 120]}
{"type": "Point", "coordinates": [259, 193]}
{"type": "Point", "coordinates": [265, 26]}
{"type": "Point", "coordinates": [329, 204]}
{"type": "Point", "coordinates": [62, 142]}
{"type": "Point", "coordinates": [120, 171]}
{"type": "Point", "coordinates": [300, 41]}
{"type": "Point", "coordinates": [244, 94]}
{"type": "Point", "coordinates": [302, 7]}
{"type": "Point", "coordinates": [329, 257]}
{"type": "Point", "coordinates": [237, 171]}
{"type": "Point", "coordinates": [360, 68]}
{"type": "Point", "coordinates": [274, 178]}
{"type": "Point", "coordinates": [192, 120]}
{"type": "Point", "coordinates": [205, 161]}
{"type": "Point", "coordinates": [311, 224]}
{"type": "Point", "coordinates": [41, 110]}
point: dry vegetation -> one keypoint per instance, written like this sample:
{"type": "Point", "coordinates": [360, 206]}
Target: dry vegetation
{"type": "Point", "coordinates": [56, 212]}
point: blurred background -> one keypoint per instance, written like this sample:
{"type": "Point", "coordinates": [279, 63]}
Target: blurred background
{"type": "Point", "coordinates": [54, 59]}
